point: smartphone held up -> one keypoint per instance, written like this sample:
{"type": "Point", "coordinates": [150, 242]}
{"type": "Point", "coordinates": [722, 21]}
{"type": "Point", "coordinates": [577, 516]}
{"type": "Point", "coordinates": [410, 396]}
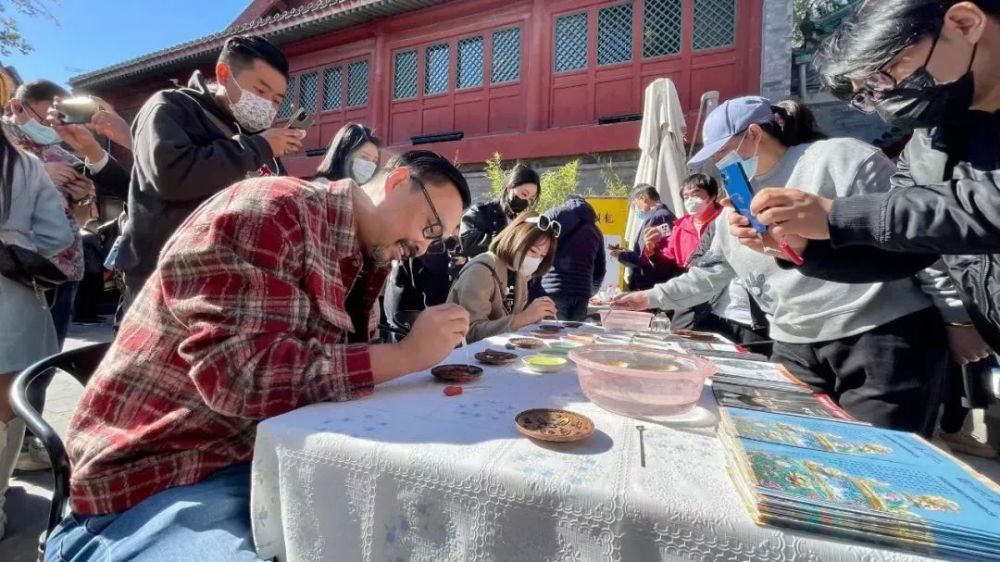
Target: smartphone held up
{"type": "Point", "coordinates": [741, 194]}
{"type": "Point", "coordinates": [77, 110]}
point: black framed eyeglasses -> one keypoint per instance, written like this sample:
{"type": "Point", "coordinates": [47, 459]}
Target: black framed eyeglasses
{"type": "Point", "coordinates": [874, 90]}
{"type": "Point", "coordinates": [545, 223]}
{"type": "Point", "coordinates": [879, 83]}
{"type": "Point", "coordinates": [440, 244]}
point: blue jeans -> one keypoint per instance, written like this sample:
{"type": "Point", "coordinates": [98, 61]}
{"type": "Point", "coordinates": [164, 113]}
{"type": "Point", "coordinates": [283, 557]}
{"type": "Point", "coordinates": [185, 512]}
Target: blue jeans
{"type": "Point", "coordinates": [207, 521]}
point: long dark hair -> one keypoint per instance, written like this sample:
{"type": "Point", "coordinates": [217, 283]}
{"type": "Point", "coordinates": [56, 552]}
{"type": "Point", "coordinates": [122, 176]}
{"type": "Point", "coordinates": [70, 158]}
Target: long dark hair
{"type": "Point", "coordinates": [336, 162]}
{"type": "Point", "coordinates": [793, 124]}
{"type": "Point", "coordinates": [519, 175]}
{"type": "Point", "coordinates": [10, 156]}
{"type": "Point", "coordinates": [877, 32]}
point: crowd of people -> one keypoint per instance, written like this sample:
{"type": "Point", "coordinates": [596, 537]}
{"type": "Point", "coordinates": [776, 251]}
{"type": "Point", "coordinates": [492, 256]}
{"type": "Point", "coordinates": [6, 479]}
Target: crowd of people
{"type": "Point", "coordinates": [247, 293]}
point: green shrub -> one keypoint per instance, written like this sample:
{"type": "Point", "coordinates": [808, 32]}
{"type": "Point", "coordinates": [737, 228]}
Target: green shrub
{"type": "Point", "coordinates": [558, 185]}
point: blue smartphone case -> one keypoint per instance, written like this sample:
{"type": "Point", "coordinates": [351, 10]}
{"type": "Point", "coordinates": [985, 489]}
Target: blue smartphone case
{"type": "Point", "coordinates": [741, 193]}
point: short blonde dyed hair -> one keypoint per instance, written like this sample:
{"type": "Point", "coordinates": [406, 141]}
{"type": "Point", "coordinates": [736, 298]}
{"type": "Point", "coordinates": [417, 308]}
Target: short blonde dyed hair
{"type": "Point", "coordinates": [518, 238]}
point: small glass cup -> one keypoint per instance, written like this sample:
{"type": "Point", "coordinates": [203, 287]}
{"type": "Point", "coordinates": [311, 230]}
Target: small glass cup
{"type": "Point", "coordinates": [661, 323]}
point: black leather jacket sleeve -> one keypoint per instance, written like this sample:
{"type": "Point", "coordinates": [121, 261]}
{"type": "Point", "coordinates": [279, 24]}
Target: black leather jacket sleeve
{"type": "Point", "coordinates": [112, 180]}
{"type": "Point", "coordinates": [957, 216]}
{"type": "Point", "coordinates": [858, 264]}
{"type": "Point", "coordinates": [479, 226]}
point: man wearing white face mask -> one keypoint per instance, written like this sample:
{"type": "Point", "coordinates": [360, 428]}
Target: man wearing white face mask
{"type": "Point", "coordinates": [192, 142]}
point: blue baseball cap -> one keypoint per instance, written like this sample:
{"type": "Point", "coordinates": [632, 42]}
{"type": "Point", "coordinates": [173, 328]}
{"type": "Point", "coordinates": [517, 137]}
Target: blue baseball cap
{"type": "Point", "coordinates": [728, 120]}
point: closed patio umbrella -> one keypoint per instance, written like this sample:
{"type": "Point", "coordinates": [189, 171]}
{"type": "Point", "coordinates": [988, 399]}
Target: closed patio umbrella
{"type": "Point", "coordinates": [662, 162]}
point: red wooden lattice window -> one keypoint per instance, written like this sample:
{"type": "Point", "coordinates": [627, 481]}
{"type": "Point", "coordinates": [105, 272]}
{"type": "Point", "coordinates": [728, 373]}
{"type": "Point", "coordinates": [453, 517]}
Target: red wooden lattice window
{"type": "Point", "coordinates": [604, 53]}
{"type": "Point", "coordinates": [468, 82]}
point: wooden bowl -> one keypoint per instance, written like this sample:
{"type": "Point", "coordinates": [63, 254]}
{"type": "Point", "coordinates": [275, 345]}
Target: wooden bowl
{"type": "Point", "coordinates": [527, 343]}
{"type": "Point", "coordinates": [495, 358]}
{"type": "Point", "coordinates": [555, 426]}
{"type": "Point", "coordinates": [457, 373]}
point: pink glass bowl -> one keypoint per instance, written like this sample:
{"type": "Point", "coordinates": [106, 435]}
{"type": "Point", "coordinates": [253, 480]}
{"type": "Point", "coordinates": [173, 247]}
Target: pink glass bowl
{"type": "Point", "coordinates": [641, 382]}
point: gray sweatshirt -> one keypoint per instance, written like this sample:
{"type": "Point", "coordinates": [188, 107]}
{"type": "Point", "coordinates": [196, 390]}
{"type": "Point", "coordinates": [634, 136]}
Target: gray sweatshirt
{"type": "Point", "coordinates": [803, 309]}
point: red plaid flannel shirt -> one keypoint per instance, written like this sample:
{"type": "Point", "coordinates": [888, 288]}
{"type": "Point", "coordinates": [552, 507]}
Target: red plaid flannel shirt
{"type": "Point", "coordinates": [244, 319]}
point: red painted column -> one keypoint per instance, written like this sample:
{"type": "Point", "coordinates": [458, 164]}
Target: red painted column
{"type": "Point", "coordinates": [381, 83]}
{"type": "Point", "coordinates": [534, 75]}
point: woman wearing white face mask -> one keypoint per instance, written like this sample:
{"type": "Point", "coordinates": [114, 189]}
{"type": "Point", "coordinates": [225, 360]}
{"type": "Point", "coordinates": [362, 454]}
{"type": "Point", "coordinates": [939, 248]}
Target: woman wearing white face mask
{"type": "Point", "coordinates": [353, 154]}
{"type": "Point", "coordinates": [876, 349]}
{"type": "Point", "coordinates": [700, 193]}
{"type": "Point", "coordinates": [525, 250]}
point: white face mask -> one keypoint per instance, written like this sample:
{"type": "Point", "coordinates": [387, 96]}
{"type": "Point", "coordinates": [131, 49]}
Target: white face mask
{"type": "Point", "coordinates": [252, 111]}
{"type": "Point", "coordinates": [39, 133]}
{"type": "Point", "coordinates": [749, 165]}
{"type": "Point", "coordinates": [695, 205]}
{"type": "Point", "coordinates": [362, 170]}
{"type": "Point", "coordinates": [529, 265]}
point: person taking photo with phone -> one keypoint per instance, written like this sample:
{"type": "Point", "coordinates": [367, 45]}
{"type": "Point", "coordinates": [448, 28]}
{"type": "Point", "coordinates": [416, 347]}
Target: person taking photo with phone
{"type": "Point", "coordinates": [877, 349]}
{"type": "Point", "coordinates": [927, 66]}
{"type": "Point", "coordinates": [192, 142]}
{"type": "Point", "coordinates": [640, 272]}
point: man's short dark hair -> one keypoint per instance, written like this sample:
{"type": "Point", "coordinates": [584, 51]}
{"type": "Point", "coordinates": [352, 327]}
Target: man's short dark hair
{"type": "Point", "coordinates": [39, 90]}
{"type": "Point", "coordinates": [240, 51]}
{"type": "Point", "coordinates": [433, 169]}
{"type": "Point", "coordinates": [645, 190]}
{"type": "Point", "coordinates": [702, 181]}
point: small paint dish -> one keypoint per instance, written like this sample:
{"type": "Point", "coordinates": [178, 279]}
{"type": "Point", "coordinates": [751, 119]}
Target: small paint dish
{"type": "Point", "coordinates": [544, 363]}
{"type": "Point", "coordinates": [561, 347]}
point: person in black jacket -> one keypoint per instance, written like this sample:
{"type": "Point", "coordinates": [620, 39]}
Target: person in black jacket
{"type": "Point", "coordinates": [579, 267]}
{"type": "Point", "coordinates": [917, 64]}
{"type": "Point", "coordinates": [641, 273]}
{"type": "Point", "coordinates": [931, 67]}
{"type": "Point", "coordinates": [484, 221]}
{"type": "Point", "coordinates": [415, 284]}
{"type": "Point", "coordinates": [193, 142]}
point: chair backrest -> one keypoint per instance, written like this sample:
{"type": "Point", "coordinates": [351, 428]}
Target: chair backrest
{"type": "Point", "coordinates": [80, 364]}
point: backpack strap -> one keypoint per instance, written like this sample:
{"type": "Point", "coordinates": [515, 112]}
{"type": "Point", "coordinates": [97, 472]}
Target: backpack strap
{"type": "Point", "coordinates": [498, 285]}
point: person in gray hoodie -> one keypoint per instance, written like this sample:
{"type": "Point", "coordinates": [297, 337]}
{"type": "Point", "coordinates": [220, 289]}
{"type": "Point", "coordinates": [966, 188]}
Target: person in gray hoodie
{"type": "Point", "coordinates": [878, 349]}
{"type": "Point", "coordinates": [191, 143]}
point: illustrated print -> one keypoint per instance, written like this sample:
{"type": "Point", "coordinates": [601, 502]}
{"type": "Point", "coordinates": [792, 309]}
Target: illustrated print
{"type": "Point", "coordinates": [760, 290]}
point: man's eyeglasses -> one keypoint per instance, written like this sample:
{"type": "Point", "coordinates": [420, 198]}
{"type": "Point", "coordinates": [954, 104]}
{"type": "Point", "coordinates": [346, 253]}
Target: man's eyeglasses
{"type": "Point", "coordinates": [545, 223]}
{"type": "Point", "coordinates": [435, 230]}
{"type": "Point", "coordinates": [876, 86]}
{"type": "Point", "coordinates": [879, 83]}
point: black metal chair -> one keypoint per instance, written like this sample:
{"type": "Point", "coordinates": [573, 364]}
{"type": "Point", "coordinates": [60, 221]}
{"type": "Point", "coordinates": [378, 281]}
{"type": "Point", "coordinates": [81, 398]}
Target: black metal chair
{"type": "Point", "coordinates": [80, 364]}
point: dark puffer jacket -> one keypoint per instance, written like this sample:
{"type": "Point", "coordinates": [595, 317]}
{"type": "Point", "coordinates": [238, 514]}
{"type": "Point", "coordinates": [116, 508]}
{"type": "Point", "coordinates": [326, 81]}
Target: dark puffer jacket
{"type": "Point", "coordinates": [480, 224]}
{"type": "Point", "coordinates": [945, 201]}
{"type": "Point", "coordinates": [579, 267]}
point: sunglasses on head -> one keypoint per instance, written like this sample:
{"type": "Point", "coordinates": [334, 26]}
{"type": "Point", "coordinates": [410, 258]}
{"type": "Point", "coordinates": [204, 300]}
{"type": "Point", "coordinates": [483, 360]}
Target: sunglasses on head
{"type": "Point", "coordinates": [544, 223]}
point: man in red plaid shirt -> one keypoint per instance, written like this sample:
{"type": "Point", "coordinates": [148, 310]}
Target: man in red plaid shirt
{"type": "Point", "coordinates": [262, 302]}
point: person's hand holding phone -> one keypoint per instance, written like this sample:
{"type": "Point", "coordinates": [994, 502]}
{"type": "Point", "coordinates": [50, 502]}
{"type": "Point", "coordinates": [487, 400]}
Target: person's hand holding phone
{"type": "Point", "coordinates": [739, 228]}
{"type": "Point", "coordinates": [283, 141]}
{"type": "Point", "coordinates": [652, 237]}
{"type": "Point", "coordinates": [109, 123]}
{"type": "Point", "coordinates": [78, 137]}
{"type": "Point", "coordinates": [615, 250]}
{"type": "Point", "coordinates": [793, 212]}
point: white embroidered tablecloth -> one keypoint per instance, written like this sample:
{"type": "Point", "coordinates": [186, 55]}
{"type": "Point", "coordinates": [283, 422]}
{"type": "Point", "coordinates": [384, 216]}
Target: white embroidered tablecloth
{"type": "Point", "coordinates": [410, 474]}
